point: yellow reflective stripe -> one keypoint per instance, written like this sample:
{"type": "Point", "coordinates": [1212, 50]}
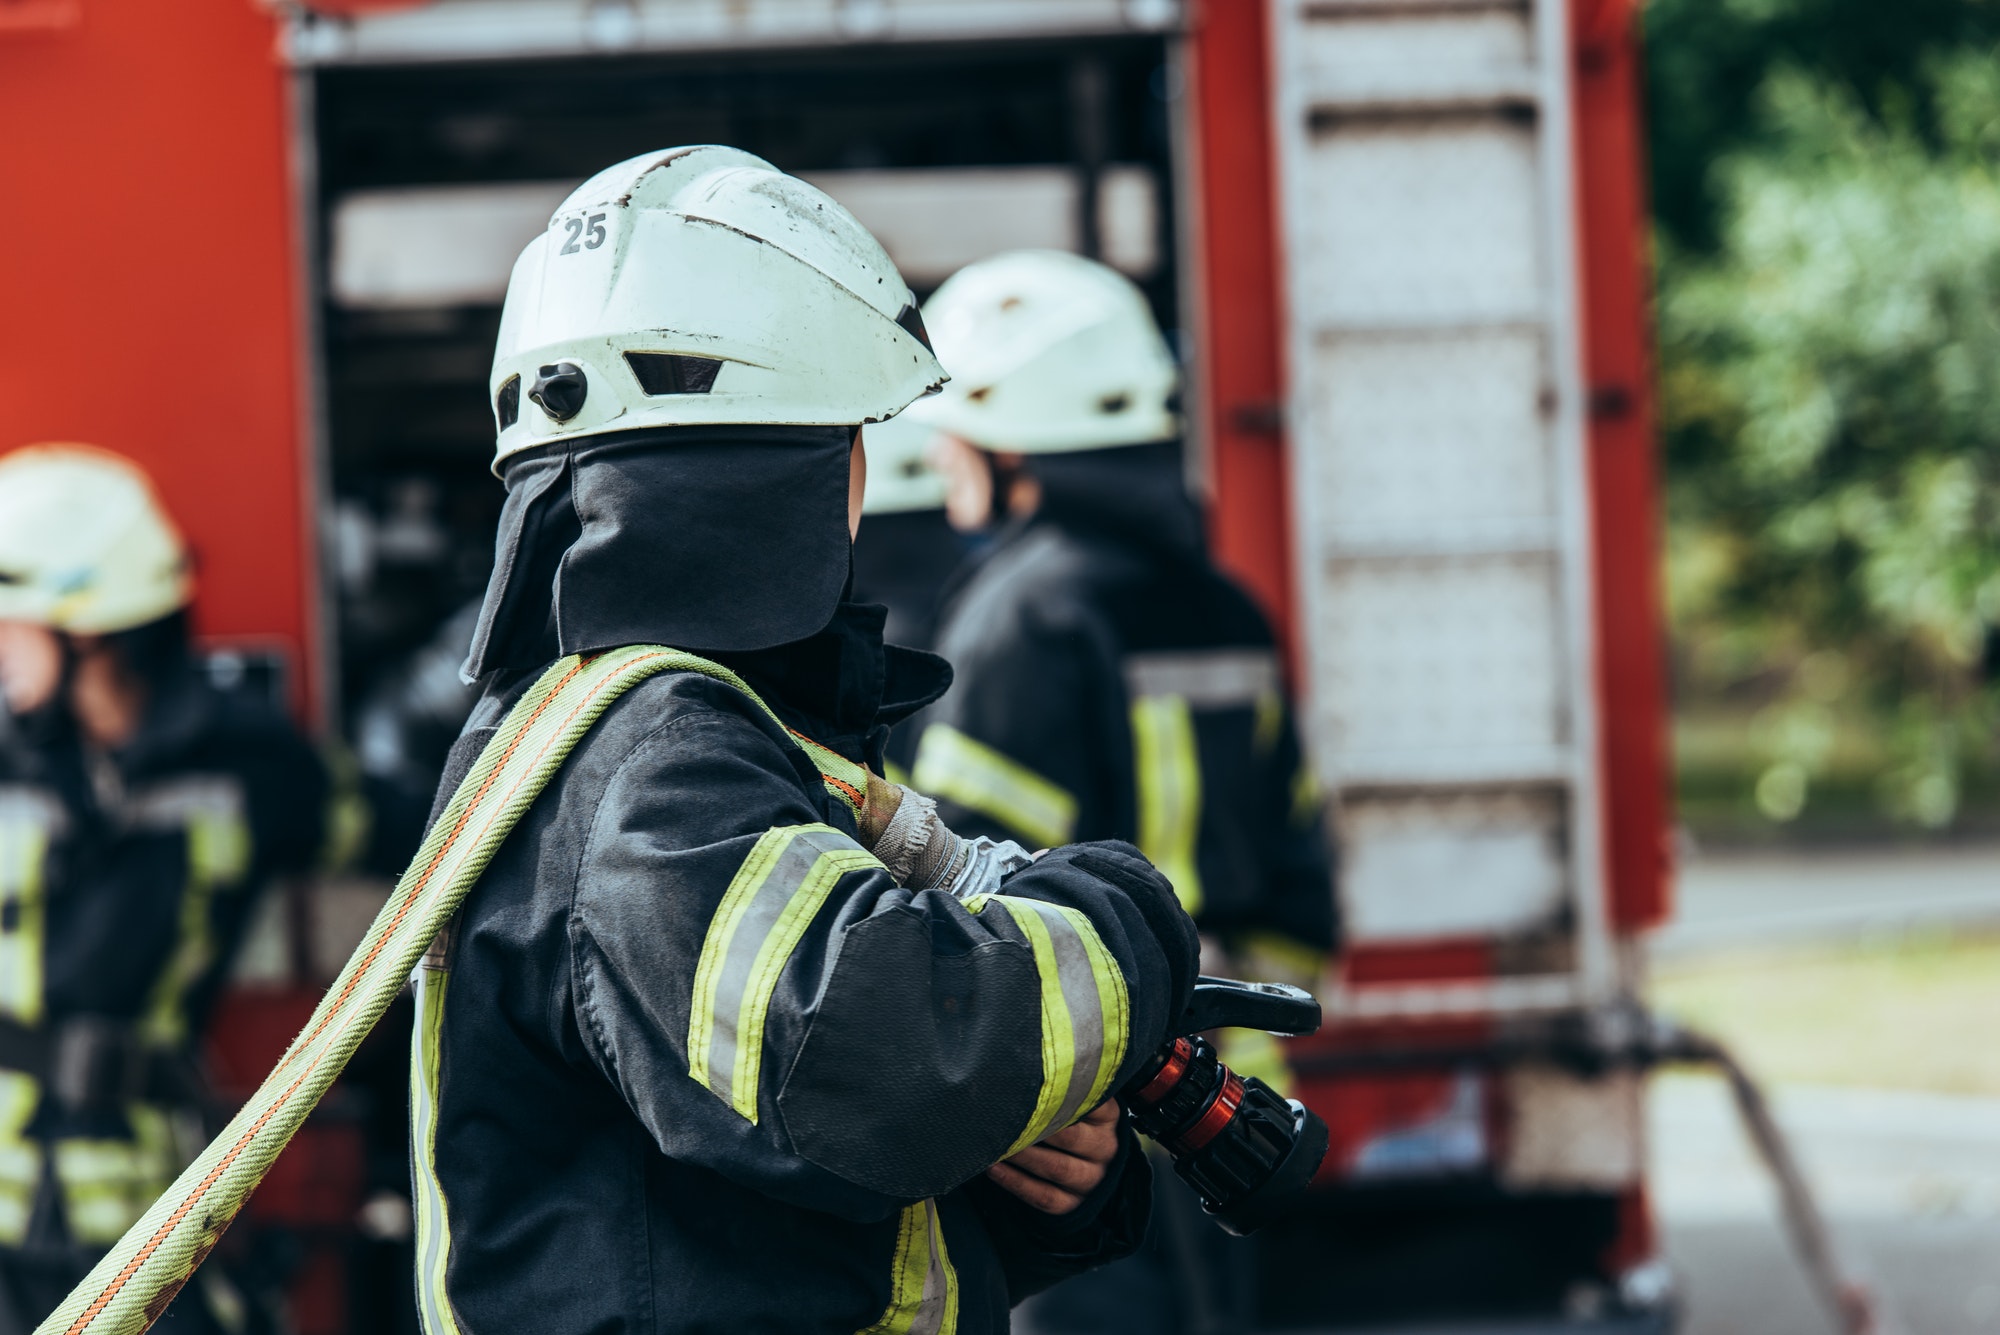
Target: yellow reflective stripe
{"type": "Point", "coordinates": [350, 819]}
{"type": "Point", "coordinates": [955, 767]}
{"type": "Point", "coordinates": [23, 857]}
{"type": "Point", "coordinates": [20, 1158]}
{"type": "Point", "coordinates": [895, 773]}
{"type": "Point", "coordinates": [1252, 1052]}
{"type": "Point", "coordinates": [1270, 722]}
{"type": "Point", "coordinates": [1276, 958]}
{"type": "Point", "coordinates": [433, 1220]}
{"type": "Point", "coordinates": [1305, 797]}
{"type": "Point", "coordinates": [1114, 1008]}
{"type": "Point", "coordinates": [769, 906]}
{"type": "Point", "coordinates": [106, 1184]}
{"type": "Point", "coordinates": [218, 846]}
{"type": "Point", "coordinates": [1168, 770]}
{"type": "Point", "coordinates": [923, 1286]}
{"type": "Point", "coordinates": [1085, 1012]}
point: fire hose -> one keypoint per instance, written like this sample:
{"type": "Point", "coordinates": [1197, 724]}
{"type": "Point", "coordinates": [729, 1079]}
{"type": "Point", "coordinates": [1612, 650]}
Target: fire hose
{"type": "Point", "coordinates": [131, 1286]}
{"type": "Point", "coordinates": [1630, 1038]}
{"type": "Point", "coordinates": [1244, 1148]}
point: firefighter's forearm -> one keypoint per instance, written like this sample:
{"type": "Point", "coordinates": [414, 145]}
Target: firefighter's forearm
{"type": "Point", "coordinates": [922, 853]}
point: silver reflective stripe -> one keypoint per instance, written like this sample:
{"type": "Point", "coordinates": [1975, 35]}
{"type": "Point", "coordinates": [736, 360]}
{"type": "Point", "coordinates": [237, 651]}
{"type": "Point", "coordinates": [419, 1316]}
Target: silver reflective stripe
{"type": "Point", "coordinates": [170, 804]}
{"type": "Point", "coordinates": [1085, 1013]}
{"type": "Point", "coordinates": [1205, 678]}
{"type": "Point", "coordinates": [765, 913]}
{"type": "Point", "coordinates": [29, 822]}
{"type": "Point", "coordinates": [937, 1314]}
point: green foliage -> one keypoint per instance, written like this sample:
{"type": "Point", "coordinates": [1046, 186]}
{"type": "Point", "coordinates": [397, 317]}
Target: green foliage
{"type": "Point", "coordinates": [1708, 61]}
{"type": "Point", "coordinates": [1831, 399]}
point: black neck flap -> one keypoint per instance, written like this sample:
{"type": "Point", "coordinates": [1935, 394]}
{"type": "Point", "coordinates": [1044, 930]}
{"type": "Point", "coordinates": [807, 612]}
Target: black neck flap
{"type": "Point", "coordinates": [1134, 493]}
{"type": "Point", "coordinates": [716, 540]}
{"type": "Point", "coordinates": [842, 685]}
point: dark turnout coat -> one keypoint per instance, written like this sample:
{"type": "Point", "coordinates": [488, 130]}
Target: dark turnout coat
{"type": "Point", "coordinates": [1111, 683]}
{"type": "Point", "coordinates": [691, 1061]}
{"type": "Point", "coordinates": [127, 879]}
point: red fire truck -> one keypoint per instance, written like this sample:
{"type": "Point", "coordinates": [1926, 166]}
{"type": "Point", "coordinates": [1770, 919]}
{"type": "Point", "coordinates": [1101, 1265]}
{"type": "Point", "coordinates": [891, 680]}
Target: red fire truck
{"type": "Point", "coordinates": [261, 248]}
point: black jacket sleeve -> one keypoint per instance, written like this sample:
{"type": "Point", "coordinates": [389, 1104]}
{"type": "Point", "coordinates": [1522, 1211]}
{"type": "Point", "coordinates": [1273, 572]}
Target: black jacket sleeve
{"type": "Point", "coordinates": [772, 1006]}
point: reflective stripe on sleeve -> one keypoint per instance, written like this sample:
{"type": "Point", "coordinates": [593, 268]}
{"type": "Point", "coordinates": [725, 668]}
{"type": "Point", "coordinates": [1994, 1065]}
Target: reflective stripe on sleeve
{"type": "Point", "coordinates": [218, 846]}
{"type": "Point", "coordinates": [955, 767]}
{"type": "Point", "coordinates": [765, 913]}
{"type": "Point", "coordinates": [1168, 770]}
{"type": "Point", "coordinates": [1084, 1012]}
{"type": "Point", "coordinates": [1305, 797]}
{"type": "Point", "coordinates": [20, 1157]}
{"type": "Point", "coordinates": [1270, 725]}
{"type": "Point", "coordinates": [923, 1286]}
{"type": "Point", "coordinates": [433, 1222]}
{"type": "Point", "coordinates": [108, 1183]}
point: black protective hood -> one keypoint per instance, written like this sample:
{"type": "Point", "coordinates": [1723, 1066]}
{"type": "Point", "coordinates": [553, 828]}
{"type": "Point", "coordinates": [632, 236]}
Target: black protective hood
{"type": "Point", "coordinates": [1134, 493]}
{"type": "Point", "coordinates": [721, 539]}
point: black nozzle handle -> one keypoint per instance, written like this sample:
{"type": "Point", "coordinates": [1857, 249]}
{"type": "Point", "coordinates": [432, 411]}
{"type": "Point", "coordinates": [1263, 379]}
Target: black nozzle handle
{"type": "Point", "coordinates": [1229, 1003]}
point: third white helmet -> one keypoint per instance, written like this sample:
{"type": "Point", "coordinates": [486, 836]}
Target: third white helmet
{"type": "Point", "coordinates": [85, 545]}
{"type": "Point", "coordinates": [699, 286]}
{"type": "Point", "coordinates": [900, 478]}
{"type": "Point", "coordinates": [1048, 353]}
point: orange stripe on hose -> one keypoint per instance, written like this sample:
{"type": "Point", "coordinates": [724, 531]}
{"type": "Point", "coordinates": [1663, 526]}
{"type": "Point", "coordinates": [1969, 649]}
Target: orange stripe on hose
{"type": "Point", "coordinates": [111, 1291]}
{"type": "Point", "coordinates": [445, 847]}
{"type": "Point", "coordinates": [235, 1151]}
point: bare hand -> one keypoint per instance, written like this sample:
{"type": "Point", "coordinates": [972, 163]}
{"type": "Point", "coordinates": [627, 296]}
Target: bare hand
{"type": "Point", "coordinates": [1058, 1171]}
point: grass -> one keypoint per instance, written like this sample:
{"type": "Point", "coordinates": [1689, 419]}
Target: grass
{"type": "Point", "coordinates": [1919, 1012]}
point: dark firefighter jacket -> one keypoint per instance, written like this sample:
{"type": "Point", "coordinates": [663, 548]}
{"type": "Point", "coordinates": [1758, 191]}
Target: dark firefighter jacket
{"type": "Point", "coordinates": [905, 561]}
{"type": "Point", "coordinates": [126, 881]}
{"type": "Point", "coordinates": [1111, 683]}
{"type": "Point", "coordinates": [690, 1061]}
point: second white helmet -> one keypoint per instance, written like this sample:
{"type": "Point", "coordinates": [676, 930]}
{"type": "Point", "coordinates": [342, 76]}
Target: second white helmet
{"type": "Point", "coordinates": [697, 286]}
{"type": "Point", "coordinates": [1048, 353]}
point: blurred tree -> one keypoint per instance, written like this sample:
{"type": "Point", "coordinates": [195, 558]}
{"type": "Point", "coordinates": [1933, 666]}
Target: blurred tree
{"type": "Point", "coordinates": [1830, 363]}
{"type": "Point", "coordinates": [1708, 60]}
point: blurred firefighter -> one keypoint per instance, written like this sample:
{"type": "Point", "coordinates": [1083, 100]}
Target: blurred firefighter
{"type": "Point", "coordinates": [1112, 683]}
{"type": "Point", "coordinates": [731, 1034]}
{"type": "Point", "coordinates": [905, 553]}
{"type": "Point", "coordinates": [141, 809]}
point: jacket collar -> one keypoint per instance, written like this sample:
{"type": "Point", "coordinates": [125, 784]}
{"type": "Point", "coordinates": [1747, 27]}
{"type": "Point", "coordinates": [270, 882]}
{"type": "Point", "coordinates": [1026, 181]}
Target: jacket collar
{"type": "Point", "coordinates": [842, 686]}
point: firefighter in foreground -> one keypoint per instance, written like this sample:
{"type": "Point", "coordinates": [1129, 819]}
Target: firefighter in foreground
{"type": "Point", "coordinates": [732, 1035]}
{"type": "Point", "coordinates": [1111, 682]}
{"type": "Point", "coordinates": [140, 809]}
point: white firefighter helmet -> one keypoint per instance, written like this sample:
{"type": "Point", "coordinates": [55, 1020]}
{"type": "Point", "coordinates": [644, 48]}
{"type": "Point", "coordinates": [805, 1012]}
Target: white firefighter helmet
{"type": "Point", "coordinates": [900, 478]}
{"type": "Point", "coordinates": [1048, 353]}
{"type": "Point", "coordinates": [85, 545]}
{"type": "Point", "coordinates": [696, 286]}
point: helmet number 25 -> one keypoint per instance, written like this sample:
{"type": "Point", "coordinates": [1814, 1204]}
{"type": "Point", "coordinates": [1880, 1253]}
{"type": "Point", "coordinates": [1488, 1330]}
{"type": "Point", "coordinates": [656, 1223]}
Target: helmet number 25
{"type": "Point", "coordinates": [576, 226]}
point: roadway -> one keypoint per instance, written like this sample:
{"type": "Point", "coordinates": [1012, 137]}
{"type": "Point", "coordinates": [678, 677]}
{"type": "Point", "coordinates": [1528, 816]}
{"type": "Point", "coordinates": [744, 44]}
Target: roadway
{"type": "Point", "coordinates": [1910, 1180]}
